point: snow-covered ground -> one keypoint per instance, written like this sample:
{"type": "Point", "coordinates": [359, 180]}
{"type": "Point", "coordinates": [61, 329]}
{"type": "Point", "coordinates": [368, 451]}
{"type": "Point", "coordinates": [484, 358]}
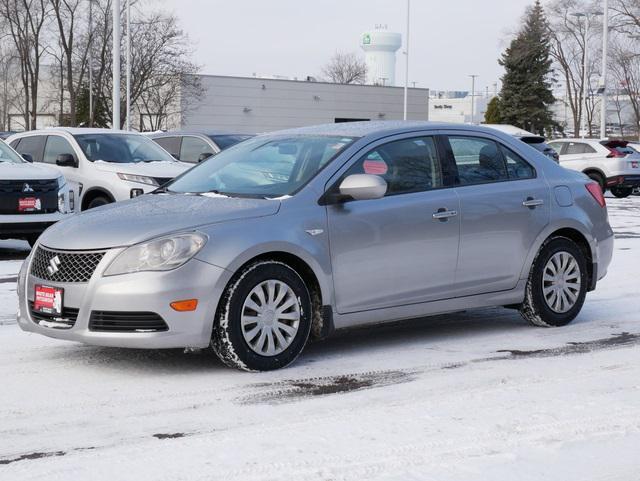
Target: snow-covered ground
{"type": "Point", "coordinates": [470, 396]}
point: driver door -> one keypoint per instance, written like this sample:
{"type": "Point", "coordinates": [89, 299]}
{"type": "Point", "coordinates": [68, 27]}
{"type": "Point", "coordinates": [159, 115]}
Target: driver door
{"type": "Point", "coordinates": [391, 251]}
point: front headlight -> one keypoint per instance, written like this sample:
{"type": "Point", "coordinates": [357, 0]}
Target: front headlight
{"type": "Point", "coordinates": [161, 254]}
{"type": "Point", "coordinates": [62, 204]}
{"type": "Point", "coordinates": [139, 179]}
{"type": "Point", "coordinates": [61, 182]}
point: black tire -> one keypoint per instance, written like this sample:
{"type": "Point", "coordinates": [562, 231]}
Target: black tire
{"type": "Point", "coordinates": [596, 177]}
{"type": "Point", "coordinates": [97, 202]}
{"type": "Point", "coordinates": [227, 339]}
{"type": "Point", "coordinates": [535, 308]}
{"type": "Point", "coordinates": [621, 192]}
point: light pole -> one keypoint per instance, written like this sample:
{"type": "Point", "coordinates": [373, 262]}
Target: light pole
{"type": "Point", "coordinates": [406, 66]}
{"type": "Point", "coordinates": [115, 122]}
{"type": "Point", "coordinates": [90, 63]}
{"type": "Point", "coordinates": [585, 66]}
{"type": "Point", "coordinates": [128, 72]}
{"type": "Point", "coordinates": [473, 94]}
{"type": "Point", "coordinates": [605, 53]}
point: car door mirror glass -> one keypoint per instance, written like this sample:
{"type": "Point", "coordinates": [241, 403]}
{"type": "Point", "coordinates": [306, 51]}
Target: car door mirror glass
{"type": "Point", "coordinates": [66, 160]}
{"type": "Point", "coordinates": [363, 187]}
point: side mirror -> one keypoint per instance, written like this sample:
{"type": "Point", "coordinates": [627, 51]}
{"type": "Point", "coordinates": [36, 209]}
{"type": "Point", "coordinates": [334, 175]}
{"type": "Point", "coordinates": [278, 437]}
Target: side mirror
{"type": "Point", "coordinates": [205, 156]}
{"type": "Point", "coordinates": [27, 157]}
{"type": "Point", "coordinates": [66, 160]}
{"type": "Point", "coordinates": [363, 187]}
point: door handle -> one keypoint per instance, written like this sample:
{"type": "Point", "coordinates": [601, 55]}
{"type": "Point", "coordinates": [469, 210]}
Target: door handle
{"type": "Point", "coordinates": [532, 203]}
{"type": "Point", "coordinates": [444, 214]}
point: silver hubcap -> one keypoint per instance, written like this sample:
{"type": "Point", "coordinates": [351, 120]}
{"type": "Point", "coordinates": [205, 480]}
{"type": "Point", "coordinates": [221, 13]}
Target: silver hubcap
{"type": "Point", "coordinates": [561, 282]}
{"type": "Point", "coordinates": [270, 317]}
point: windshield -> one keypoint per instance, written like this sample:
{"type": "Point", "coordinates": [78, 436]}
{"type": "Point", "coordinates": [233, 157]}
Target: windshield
{"type": "Point", "coordinates": [121, 148]}
{"type": "Point", "coordinates": [227, 140]}
{"type": "Point", "coordinates": [7, 154]}
{"type": "Point", "coordinates": [262, 167]}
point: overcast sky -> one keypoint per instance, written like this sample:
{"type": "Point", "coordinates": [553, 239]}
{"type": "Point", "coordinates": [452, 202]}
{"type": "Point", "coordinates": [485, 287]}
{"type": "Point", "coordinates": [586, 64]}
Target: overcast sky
{"type": "Point", "coordinates": [450, 39]}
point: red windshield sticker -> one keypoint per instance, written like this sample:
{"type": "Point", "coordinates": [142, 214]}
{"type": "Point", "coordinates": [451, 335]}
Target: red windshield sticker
{"type": "Point", "coordinates": [375, 167]}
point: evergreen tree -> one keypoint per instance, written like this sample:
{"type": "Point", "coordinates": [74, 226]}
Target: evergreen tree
{"type": "Point", "coordinates": [493, 115]}
{"type": "Point", "coordinates": [101, 115]}
{"type": "Point", "coordinates": [526, 96]}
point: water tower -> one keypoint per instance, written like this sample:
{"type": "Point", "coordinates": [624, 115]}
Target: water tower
{"type": "Point", "coordinates": [380, 48]}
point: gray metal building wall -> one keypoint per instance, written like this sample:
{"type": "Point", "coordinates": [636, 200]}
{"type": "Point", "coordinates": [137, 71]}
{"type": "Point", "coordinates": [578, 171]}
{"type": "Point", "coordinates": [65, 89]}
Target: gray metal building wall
{"type": "Point", "coordinates": [254, 105]}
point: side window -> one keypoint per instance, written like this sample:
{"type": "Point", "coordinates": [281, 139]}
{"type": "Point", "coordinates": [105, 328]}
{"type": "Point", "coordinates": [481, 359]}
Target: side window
{"type": "Point", "coordinates": [170, 144]}
{"type": "Point", "coordinates": [517, 167]}
{"type": "Point", "coordinates": [33, 146]}
{"type": "Point", "coordinates": [579, 148]}
{"type": "Point", "coordinates": [15, 144]}
{"type": "Point", "coordinates": [478, 160]}
{"type": "Point", "coordinates": [192, 148]}
{"type": "Point", "coordinates": [408, 165]}
{"type": "Point", "coordinates": [557, 146]}
{"type": "Point", "coordinates": [56, 146]}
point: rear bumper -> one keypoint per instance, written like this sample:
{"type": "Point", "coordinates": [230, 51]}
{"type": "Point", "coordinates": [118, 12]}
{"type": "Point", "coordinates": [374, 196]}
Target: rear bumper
{"type": "Point", "coordinates": [631, 181]}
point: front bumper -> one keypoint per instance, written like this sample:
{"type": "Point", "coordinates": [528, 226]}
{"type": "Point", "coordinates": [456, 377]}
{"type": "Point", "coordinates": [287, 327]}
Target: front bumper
{"type": "Point", "coordinates": [139, 292]}
{"type": "Point", "coordinates": [19, 225]}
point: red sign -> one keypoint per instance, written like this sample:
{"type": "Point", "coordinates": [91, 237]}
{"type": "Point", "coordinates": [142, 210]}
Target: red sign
{"type": "Point", "coordinates": [29, 204]}
{"type": "Point", "coordinates": [48, 300]}
{"type": "Point", "coordinates": [375, 167]}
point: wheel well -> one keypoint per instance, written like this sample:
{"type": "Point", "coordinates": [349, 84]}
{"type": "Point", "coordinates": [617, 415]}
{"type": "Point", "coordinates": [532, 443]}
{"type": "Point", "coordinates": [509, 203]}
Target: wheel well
{"type": "Point", "coordinates": [595, 171]}
{"type": "Point", "coordinates": [92, 194]}
{"type": "Point", "coordinates": [581, 241]}
{"type": "Point", "coordinates": [304, 270]}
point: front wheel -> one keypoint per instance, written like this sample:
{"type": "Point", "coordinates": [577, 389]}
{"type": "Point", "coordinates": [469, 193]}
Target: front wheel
{"type": "Point", "coordinates": [621, 192]}
{"type": "Point", "coordinates": [97, 202]}
{"type": "Point", "coordinates": [264, 318]}
{"type": "Point", "coordinates": [557, 284]}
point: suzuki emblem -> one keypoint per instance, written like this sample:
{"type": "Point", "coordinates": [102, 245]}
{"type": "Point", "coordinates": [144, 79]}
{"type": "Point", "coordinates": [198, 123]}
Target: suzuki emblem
{"type": "Point", "coordinates": [54, 265]}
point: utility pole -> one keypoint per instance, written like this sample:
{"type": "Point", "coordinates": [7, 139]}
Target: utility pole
{"type": "Point", "coordinates": [473, 99]}
{"type": "Point", "coordinates": [605, 52]}
{"type": "Point", "coordinates": [90, 61]}
{"type": "Point", "coordinates": [406, 66]}
{"type": "Point", "coordinates": [115, 122]}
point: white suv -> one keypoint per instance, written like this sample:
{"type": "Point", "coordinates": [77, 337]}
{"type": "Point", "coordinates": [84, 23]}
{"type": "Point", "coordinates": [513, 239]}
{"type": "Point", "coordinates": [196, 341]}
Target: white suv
{"type": "Point", "coordinates": [107, 165]}
{"type": "Point", "coordinates": [32, 197]}
{"type": "Point", "coordinates": [611, 163]}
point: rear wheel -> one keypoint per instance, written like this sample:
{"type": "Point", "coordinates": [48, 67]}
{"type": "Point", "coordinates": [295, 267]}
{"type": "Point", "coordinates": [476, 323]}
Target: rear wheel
{"type": "Point", "coordinates": [557, 284]}
{"type": "Point", "coordinates": [621, 192]}
{"type": "Point", "coordinates": [264, 318]}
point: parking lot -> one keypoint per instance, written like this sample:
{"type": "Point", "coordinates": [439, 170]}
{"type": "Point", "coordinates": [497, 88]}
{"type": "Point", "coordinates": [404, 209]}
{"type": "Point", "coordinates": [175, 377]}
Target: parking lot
{"type": "Point", "coordinates": [472, 395]}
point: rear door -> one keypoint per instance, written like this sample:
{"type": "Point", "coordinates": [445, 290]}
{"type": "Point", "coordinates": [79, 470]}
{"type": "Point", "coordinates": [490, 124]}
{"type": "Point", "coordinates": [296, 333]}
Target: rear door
{"type": "Point", "coordinates": [391, 251]}
{"type": "Point", "coordinates": [504, 206]}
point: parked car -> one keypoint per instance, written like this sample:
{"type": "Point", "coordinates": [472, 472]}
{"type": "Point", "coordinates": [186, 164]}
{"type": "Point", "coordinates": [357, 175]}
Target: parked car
{"type": "Point", "coordinates": [536, 141]}
{"type": "Point", "coordinates": [195, 146]}
{"type": "Point", "coordinates": [373, 222]}
{"type": "Point", "coordinates": [32, 197]}
{"type": "Point", "coordinates": [5, 135]}
{"type": "Point", "coordinates": [107, 165]}
{"type": "Point", "coordinates": [611, 163]}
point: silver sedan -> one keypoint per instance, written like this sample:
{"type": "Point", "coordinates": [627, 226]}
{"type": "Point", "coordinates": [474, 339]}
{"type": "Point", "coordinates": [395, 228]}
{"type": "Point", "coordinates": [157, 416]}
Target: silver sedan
{"type": "Point", "coordinates": [298, 233]}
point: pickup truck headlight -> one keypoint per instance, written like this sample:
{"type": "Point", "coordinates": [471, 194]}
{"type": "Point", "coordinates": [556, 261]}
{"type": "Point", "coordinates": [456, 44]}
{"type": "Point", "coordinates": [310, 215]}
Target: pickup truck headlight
{"type": "Point", "coordinates": [139, 179]}
{"type": "Point", "coordinates": [161, 254]}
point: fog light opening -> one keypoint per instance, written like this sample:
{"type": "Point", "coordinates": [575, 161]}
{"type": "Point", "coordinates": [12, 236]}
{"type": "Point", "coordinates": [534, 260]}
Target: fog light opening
{"type": "Point", "coordinates": [136, 193]}
{"type": "Point", "coordinates": [185, 305]}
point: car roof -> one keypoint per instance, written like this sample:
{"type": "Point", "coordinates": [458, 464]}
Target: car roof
{"type": "Point", "coordinates": [379, 127]}
{"type": "Point", "coordinates": [170, 133]}
{"type": "Point", "coordinates": [74, 131]}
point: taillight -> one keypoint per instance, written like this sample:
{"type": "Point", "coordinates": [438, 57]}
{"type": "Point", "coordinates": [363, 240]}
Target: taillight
{"type": "Point", "coordinates": [614, 153]}
{"type": "Point", "coordinates": [596, 191]}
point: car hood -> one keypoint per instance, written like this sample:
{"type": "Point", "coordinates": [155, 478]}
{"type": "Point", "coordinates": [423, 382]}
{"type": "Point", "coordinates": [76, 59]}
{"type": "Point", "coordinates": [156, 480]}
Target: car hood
{"type": "Point", "coordinates": [166, 169]}
{"type": "Point", "coordinates": [132, 221]}
{"type": "Point", "coordinates": [26, 171]}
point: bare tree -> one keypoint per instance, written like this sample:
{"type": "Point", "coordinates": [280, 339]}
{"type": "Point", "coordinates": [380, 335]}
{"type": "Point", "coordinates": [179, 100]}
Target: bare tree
{"type": "Point", "coordinates": [346, 68]}
{"type": "Point", "coordinates": [568, 48]}
{"type": "Point", "coordinates": [10, 91]}
{"type": "Point", "coordinates": [26, 21]}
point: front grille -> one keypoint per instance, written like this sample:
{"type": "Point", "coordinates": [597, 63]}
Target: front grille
{"type": "Point", "coordinates": [68, 318]}
{"type": "Point", "coordinates": [113, 321]}
{"type": "Point", "coordinates": [162, 180]}
{"type": "Point", "coordinates": [35, 186]}
{"type": "Point", "coordinates": [72, 266]}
